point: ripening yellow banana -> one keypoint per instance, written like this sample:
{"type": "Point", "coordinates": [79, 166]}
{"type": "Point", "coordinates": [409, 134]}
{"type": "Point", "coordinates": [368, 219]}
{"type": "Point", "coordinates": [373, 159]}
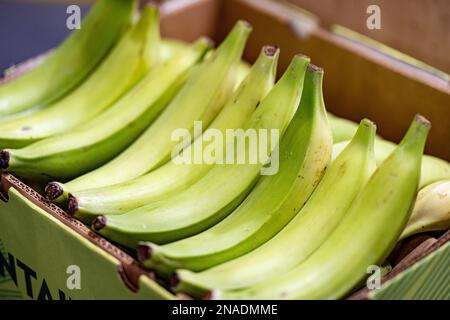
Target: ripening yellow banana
{"type": "Point", "coordinates": [431, 211]}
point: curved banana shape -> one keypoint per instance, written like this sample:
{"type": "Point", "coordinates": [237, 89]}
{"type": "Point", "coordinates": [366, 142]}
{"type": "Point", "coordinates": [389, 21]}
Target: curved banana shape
{"type": "Point", "coordinates": [139, 47]}
{"type": "Point", "coordinates": [175, 176]}
{"type": "Point", "coordinates": [207, 89]}
{"type": "Point", "coordinates": [168, 49]}
{"type": "Point", "coordinates": [72, 61]}
{"type": "Point", "coordinates": [92, 144]}
{"type": "Point", "coordinates": [311, 227]}
{"type": "Point", "coordinates": [367, 234]}
{"type": "Point", "coordinates": [431, 211]}
{"type": "Point", "coordinates": [201, 206]}
{"type": "Point", "coordinates": [433, 169]}
{"type": "Point", "coordinates": [304, 154]}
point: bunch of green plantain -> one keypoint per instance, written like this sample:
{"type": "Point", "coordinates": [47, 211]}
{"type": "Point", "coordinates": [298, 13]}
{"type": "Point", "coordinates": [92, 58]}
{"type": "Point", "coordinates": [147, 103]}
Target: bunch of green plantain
{"type": "Point", "coordinates": [94, 123]}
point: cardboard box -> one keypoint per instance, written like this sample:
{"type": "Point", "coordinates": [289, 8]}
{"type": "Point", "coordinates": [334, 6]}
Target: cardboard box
{"type": "Point", "coordinates": [416, 27]}
{"type": "Point", "coordinates": [45, 250]}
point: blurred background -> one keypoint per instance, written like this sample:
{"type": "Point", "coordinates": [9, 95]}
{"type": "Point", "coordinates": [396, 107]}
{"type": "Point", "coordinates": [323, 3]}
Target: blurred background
{"type": "Point", "coordinates": [420, 28]}
{"type": "Point", "coordinates": [29, 28]}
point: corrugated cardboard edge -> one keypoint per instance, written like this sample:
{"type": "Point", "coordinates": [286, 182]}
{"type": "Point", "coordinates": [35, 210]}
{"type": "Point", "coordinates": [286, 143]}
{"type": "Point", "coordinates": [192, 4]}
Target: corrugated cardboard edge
{"type": "Point", "coordinates": [128, 270]}
{"type": "Point", "coordinates": [423, 250]}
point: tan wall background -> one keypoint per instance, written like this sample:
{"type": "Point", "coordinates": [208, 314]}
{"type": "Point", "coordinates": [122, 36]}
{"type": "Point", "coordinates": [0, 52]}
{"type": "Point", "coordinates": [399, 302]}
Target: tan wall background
{"type": "Point", "coordinates": [420, 28]}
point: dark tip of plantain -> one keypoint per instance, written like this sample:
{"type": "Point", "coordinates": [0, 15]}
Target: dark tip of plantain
{"type": "Point", "coordinates": [315, 68]}
{"type": "Point", "coordinates": [210, 42]}
{"type": "Point", "coordinates": [144, 252]}
{"type": "Point", "coordinates": [302, 56]}
{"type": "Point", "coordinates": [420, 118]}
{"type": "Point", "coordinates": [152, 4]}
{"type": "Point", "coordinates": [174, 280]}
{"type": "Point", "coordinates": [270, 51]}
{"type": "Point", "coordinates": [368, 123]}
{"type": "Point", "coordinates": [99, 223]}
{"type": "Point", "coordinates": [72, 205]}
{"type": "Point", "coordinates": [4, 159]}
{"type": "Point", "coordinates": [208, 295]}
{"type": "Point", "coordinates": [245, 23]}
{"type": "Point", "coordinates": [53, 191]}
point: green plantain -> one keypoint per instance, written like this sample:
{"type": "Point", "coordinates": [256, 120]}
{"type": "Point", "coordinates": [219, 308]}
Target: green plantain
{"type": "Point", "coordinates": [433, 169]}
{"type": "Point", "coordinates": [305, 233]}
{"type": "Point", "coordinates": [214, 196]}
{"type": "Point", "coordinates": [341, 128]}
{"type": "Point", "coordinates": [92, 144]}
{"type": "Point", "coordinates": [174, 176]}
{"type": "Point", "coordinates": [305, 152]}
{"type": "Point", "coordinates": [139, 47]}
{"type": "Point", "coordinates": [69, 64]}
{"type": "Point", "coordinates": [364, 238]}
{"type": "Point", "coordinates": [207, 89]}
